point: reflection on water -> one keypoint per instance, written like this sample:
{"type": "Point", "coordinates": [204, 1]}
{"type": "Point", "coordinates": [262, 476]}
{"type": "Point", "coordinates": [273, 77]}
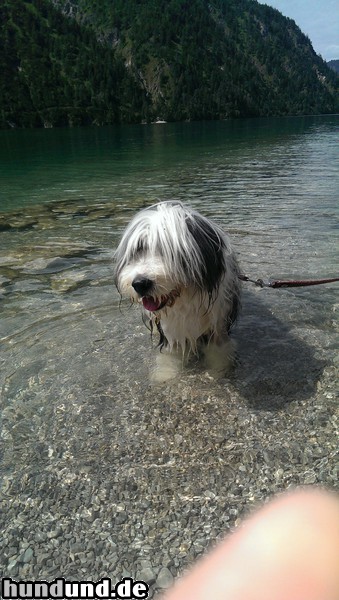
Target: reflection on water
{"type": "Point", "coordinates": [77, 409]}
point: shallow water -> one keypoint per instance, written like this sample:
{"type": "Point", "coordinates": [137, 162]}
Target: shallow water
{"type": "Point", "coordinates": [77, 407]}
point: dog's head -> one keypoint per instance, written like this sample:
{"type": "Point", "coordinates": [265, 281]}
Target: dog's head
{"type": "Point", "coordinates": [166, 250]}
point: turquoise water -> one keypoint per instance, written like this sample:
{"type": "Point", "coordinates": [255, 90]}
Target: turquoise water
{"type": "Point", "coordinates": [278, 177]}
{"type": "Point", "coordinates": [85, 438]}
{"type": "Point", "coordinates": [68, 193]}
{"type": "Point", "coordinates": [198, 161]}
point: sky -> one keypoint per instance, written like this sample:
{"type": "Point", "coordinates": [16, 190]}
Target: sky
{"type": "Point", "coordinates": [318, 19]}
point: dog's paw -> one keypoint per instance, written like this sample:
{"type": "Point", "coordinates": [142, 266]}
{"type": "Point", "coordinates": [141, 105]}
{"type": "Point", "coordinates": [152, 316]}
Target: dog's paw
{"type": "Point", "coordinates": [219, 359]}
{"type": "Point", "coordinates": [168, 366]}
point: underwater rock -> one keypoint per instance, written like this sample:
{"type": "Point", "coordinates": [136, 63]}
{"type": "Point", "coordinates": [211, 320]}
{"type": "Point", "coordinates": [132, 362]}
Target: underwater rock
{"type": "Point", "coordinates": [70, 281]}
{"type": "Point", "coordinates": [16, 222]}
{"type": "Point", "coordinates": [47, 215]}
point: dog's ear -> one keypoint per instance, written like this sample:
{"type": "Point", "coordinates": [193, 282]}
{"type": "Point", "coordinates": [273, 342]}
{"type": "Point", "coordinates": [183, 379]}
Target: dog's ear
{"type": "Point", "coordinates": [211, 247]}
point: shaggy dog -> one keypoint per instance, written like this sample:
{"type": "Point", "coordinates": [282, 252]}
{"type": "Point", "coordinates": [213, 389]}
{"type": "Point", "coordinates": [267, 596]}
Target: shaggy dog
{"type": "Point", "coordinates": [180, 267]}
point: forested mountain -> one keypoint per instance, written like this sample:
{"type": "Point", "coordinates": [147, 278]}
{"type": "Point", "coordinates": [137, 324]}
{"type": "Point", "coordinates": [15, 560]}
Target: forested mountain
{"type": "Point", "coordinates": [334, 64]}
{"type": "Point", "coordinates": [105, 61]}
{"type": "Point", "coordinates": [55, 72]}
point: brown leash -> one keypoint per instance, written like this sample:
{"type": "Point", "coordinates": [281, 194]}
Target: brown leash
{"type": "Point", "coordinates": [279, 283]}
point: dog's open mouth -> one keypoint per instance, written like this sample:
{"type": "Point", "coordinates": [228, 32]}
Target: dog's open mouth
{"type": "Point", "coordinates": [154, 304]}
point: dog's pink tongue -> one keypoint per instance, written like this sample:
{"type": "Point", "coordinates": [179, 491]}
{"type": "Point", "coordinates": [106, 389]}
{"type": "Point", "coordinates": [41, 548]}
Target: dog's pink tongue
{"type": "Point", "coordinates": [150, 304]}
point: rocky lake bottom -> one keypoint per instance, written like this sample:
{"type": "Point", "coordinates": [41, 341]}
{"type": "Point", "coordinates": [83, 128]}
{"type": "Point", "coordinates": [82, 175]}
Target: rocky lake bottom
{"type": "Point", "coordinates": [106, 475]}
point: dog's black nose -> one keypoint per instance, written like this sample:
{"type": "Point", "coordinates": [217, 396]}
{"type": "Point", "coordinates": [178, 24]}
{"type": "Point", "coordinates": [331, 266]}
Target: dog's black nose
{"type": "Point", "coordinates": [142, 285]}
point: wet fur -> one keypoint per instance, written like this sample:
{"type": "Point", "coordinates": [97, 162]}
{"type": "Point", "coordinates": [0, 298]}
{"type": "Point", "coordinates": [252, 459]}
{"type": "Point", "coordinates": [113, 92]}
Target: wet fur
{"type": "Point", "coordinates": [188, 263]}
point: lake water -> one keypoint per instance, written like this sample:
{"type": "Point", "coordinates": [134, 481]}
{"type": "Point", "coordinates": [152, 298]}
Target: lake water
{"type": "Point", "coordinates": [80, 420]}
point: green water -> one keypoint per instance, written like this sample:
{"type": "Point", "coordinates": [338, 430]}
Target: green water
{"type": "Point", "coordinates": [85, 438]}
{"type": "Point", "coordinates": [158, 161]}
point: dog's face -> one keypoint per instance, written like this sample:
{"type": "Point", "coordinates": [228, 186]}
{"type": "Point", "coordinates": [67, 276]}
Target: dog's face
{"type": "Point", "coordinates": [145, 280]}
{"type": "Point", "coordinates": [169, 251]}
{"type": "Point", "coordinates": [180, 267]}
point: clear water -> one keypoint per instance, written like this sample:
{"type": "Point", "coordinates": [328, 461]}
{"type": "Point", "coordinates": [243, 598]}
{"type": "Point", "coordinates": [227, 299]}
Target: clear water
{"type": "Point", "coordinates": [73, 362]}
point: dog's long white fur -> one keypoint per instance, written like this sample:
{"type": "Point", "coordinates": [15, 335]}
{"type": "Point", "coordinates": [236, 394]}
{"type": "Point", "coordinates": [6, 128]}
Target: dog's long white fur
{"type": "Point", "coordinates": [190, 267]}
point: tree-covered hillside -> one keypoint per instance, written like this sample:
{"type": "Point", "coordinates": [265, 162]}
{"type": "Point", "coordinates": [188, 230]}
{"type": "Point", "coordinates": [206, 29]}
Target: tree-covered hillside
{"type": "Point", "coordinates": [104, 61]}
{"type": "Point", "coordinates": [334, 65]}
{"type": "Point", "coordinates": [54, 72]}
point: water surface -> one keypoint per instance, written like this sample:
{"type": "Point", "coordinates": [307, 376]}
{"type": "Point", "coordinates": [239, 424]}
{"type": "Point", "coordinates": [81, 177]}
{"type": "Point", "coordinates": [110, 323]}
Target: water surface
{"type": "Point", "coordinates": [79, 417]}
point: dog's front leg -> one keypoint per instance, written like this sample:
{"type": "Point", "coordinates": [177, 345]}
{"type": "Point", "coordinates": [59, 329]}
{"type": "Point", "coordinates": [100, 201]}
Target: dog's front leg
{"type": "Point", "coordinates": [168, 365]}
{"type": "Point", "coordinates": [219, 356]}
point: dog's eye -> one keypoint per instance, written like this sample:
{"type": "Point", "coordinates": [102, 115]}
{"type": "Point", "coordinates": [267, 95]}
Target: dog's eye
{"type": "Point", "coordinates": [141, 247]}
